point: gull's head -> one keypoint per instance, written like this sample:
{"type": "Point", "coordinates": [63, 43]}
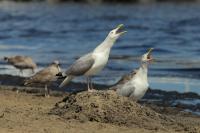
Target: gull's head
{"type": "Point", "coordinates": [56, 63]}
{"type": "Point", "coordinates": [147, 57]}
{"type": "Point", "coordinates": [117, 32]}
{"type": "Point", "coordinates": [5, 58]}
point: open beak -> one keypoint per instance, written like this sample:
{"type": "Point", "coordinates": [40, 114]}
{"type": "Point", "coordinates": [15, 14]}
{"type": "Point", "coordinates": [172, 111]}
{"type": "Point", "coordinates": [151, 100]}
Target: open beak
{"type": "Point", "coordinates": [119, 29]}
{"type": "Point", "coordinates": [149, 56]}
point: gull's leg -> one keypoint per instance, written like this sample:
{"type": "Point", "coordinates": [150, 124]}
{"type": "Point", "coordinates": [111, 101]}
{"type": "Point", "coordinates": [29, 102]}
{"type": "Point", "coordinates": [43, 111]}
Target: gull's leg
{"type": "Point", "coordinates": [33, 71]}
{"type": "Point", "coordinates": [88, 84]}
{"type": "Point", "coordinates": [17, 91]}
{"type": "Point", "coordinates": [91, 85]}
{"type": "Point", "coordinates": [46, 91]}
{"type": "Point", "coordinates": [20, 72]}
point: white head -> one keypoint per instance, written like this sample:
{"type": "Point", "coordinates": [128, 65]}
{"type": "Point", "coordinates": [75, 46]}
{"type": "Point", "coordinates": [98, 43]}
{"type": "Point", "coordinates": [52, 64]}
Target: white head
{"type": "Point", "coordinates": [147, 57]}
{"type": "Point", "coordinates": [110, 39]}
{"type": "Point", "coordinates": [117, 32]}
{"type": "Point", "coordinates": [56, 63]}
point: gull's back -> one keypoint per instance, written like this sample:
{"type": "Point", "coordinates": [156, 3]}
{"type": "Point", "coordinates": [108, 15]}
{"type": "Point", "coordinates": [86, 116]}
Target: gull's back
{"type": "Point", "coordinates": [81, 66]}
{"type": "Point", "coordinates": [22, 62]}
{"type": "Point", "coordinates": [46, 75]}
{"type": "Point", "coordinates": [124, 86]}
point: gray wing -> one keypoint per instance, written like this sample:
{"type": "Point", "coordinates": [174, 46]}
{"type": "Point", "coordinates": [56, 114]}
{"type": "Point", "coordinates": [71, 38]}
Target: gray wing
{"type": "Point", "coordinates": [42, 76]}
{"type": "Point", "coordinates": [124, 79]}
{"type": "Point", "coordinates": [21, 65]}
{"type": "Point", "coordinates": [22, 62]}
{"type": "Point", "coordinates": [81, 66]}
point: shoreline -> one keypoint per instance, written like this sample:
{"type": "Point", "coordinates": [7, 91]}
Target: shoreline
{"type": "Point", "coordinates": [187, 102]}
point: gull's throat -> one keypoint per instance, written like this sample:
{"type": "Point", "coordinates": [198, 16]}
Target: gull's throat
{"type": "Point", "coordinates": [106, 44]}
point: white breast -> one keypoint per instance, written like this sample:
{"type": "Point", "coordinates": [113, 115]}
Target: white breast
{"type": "Point", "coordinates": [141, 85]}
{"type": "Point", "coordinates": [101, 60]}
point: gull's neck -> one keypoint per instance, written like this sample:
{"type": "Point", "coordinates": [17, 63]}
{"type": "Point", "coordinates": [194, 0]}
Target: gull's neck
{"type": "Point", "coordinates": [143, 70]}
{"type": "Point", "coordinates": [106, 45]}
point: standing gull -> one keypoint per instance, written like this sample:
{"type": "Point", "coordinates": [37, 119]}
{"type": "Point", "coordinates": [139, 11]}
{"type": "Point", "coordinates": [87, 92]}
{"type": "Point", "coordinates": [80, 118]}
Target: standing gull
{"type": "Point", "coordinates": [45, 76]}
{"type": "Point", "coordinates": [136, 83]}
{"type": "Point", "coordinates": [93, 62]}
{"type": "Point", "coordinates": [21, 62]}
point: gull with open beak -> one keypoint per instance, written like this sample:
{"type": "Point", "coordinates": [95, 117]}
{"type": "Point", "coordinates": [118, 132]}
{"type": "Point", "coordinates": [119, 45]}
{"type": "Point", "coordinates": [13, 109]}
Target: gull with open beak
{"type": "Point", "coordinates": [136, 83]}
{"type": "Point", "coordinates": [93, 62]}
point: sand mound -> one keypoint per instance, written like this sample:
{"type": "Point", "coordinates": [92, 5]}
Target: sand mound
{"type": "Point", "coordinates": [108, 107]}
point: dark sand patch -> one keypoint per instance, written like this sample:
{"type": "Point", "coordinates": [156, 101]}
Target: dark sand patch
{"type": "Point", "coordinates": [108, 107]}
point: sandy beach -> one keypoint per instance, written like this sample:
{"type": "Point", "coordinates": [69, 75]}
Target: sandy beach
{"type": "Point", "coordinates": [84, 112]}
{"type": "Point", "coordinates": [29, 113]}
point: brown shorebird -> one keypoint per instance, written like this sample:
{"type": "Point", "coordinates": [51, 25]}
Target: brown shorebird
{"type": "Point", "coordinates": [93, 62]}
{"type": "Point", "coordinates": [136, 83]}
{"type": "Point", "coordinates": [45, 76]}
{"type": "Point", "coordinates": [21, 62]}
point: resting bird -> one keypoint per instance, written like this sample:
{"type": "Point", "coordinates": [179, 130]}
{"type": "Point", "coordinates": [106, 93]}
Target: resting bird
{"type": "Point", "coordinates": [45, 76]}
{"type": "Point", "coordinates": [93, 62]}
{"type": "Point", "coordinates": [21, 63]}
{"type": "Point", "coordinates": [136, 83]}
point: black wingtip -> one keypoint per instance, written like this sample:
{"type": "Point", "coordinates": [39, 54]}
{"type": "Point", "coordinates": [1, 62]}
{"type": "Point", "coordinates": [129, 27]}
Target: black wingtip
{"type": "Point", "coordinates": [59, 74]}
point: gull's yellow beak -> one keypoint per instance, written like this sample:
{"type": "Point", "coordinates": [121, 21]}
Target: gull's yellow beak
{"type": "Point", "coordinates": [149, 56]}
{"type": "Point", "coordinates": [150, 50]}
{"type": "Point", "coordinates": [120, 25]}
{"type": "Point", "coordinates": [119, 29]}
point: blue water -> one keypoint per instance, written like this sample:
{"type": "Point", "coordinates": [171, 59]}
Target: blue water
{"type": "Point", "coordinates": [64, 32]}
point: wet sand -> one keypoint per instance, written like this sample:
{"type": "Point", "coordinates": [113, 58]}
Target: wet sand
{"type": "Point", "coordinates": [102, 111]}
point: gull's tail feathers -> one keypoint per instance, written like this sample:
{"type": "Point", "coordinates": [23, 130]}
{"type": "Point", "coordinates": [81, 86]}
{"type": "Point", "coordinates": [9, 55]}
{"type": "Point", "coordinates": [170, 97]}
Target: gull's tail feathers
{"type": "Point", "coordinates": [66, 81]}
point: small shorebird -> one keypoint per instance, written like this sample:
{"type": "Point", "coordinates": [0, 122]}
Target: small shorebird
{"type": "Point", "coordinates": [93, 62]}
{"type": "Point", "coordinates": [45, 76]}
{"type": "Point", "coordinates": [21, 63]}
{"type": "Point", "coordinates": [136, 83]}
